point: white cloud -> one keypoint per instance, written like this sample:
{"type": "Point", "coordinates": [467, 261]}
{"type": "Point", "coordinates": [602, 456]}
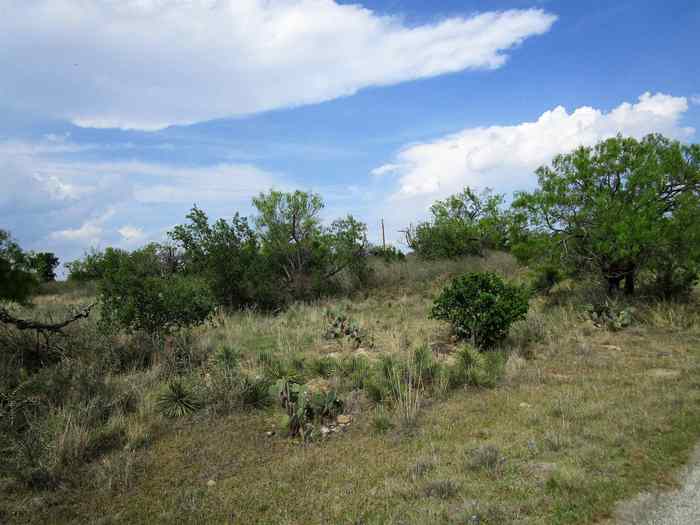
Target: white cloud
{"type": "Point", "coordinates": [48, 202]}
{"type": "Point", "coordinates": [131, 233]}
{"type": "Point", "coordinates": [505, 157]}
{"type": "Point", "coordinates": [147, 64]}
{"type": "Point", "coordinates": [88, 234]}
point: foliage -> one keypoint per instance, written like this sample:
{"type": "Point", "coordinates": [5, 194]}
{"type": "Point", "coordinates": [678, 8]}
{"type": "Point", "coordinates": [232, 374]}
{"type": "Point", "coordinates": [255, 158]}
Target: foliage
{"type": "Point", "coordinates": [137, 293]}
{"type": "Point", "coordinates": [340, 326]}
{"type": "Point", "coordinates": [388, 254]}
{"type": "Point", "coordinates": [227, 256]}
{"type": "Point", "coordinates": [178, 400]}
{"type": "Point", "coordinates": [17, 281]}
{"type": "Point", "coordinates": [44, 264]}
{"type": "Point", "coordinates": [93, 264]}
{"type": "Point", "coordinates": [618, 209]}
{"type": "Point", "coordinates": [481, 307]}
{"type": "Point", "coordinates": [306, 256]}
{"type": "Point", "coordinates": [610, 316]}
{"type": "Point", "coordinates": [463, 224]}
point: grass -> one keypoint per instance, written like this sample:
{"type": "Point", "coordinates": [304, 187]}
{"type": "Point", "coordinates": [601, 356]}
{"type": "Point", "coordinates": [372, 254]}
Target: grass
{"type": "Point", "coordinates": [582, 418]}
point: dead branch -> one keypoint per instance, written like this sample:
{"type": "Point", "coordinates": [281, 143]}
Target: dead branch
{"type": "Point", "coordinates": [28, 324]}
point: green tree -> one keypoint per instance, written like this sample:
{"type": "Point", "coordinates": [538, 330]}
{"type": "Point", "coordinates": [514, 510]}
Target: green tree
{"type": "Point", "coordinates": [44, 264]}
{"type": "Point", "coordinates": [465, 223]}
{"type": "Point", "coordinates": [227, 256]}
{"type": "Point", "coordinates": [481, 307]}
{"type": "Point", "coordinates": [17, 280]}
{"type": "Point", "coordinates": [306, 255]}
{"type": "Point", "coordinates": [138, 292]}
{"type": "Point", "coordinates": [620, 208]}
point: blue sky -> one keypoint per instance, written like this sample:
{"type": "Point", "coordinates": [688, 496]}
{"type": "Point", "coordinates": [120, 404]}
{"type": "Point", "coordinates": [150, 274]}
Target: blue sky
{"type": "Point", "coordinates": [118, 116]}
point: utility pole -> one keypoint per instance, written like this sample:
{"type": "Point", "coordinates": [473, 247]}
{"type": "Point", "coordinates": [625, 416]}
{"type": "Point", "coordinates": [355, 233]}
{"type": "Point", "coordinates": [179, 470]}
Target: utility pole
{"type": "Point", "coordinates": [383, 237]}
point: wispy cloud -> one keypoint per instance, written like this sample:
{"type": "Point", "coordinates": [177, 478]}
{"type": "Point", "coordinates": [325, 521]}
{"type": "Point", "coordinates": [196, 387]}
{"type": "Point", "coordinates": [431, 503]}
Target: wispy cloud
{"type": "Point", "coordinates": [147, 65]}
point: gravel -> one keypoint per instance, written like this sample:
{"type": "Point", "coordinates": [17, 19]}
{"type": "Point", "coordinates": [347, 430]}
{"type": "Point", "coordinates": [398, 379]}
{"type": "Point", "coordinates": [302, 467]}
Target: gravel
{"type": "Point", "coordinates": [678, 507]}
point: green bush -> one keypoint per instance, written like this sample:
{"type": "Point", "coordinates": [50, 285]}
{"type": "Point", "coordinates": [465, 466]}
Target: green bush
{"type": "Point", "coordinates": [466, 223]}
{"type": "Point", "coordinates": [388, 254]}
{"type": "Point", "coordinates": [137, 293]}
{"type": "Point", "coordinates": [481, 307]}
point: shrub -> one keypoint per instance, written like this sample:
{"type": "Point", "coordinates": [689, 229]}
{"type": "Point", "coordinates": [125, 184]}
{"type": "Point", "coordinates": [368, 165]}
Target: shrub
{"type": "Point", "coordinates": [136, 295]}
{"type": "Point", "coordinates": [388, 254]}
{"type": "Point", "coordinates": [381, 421]}
{"type": "Point", "coordinates": [463, 224]}
{"type": "Point", "coordinates": [178, 400]}
{"type": "Point", "coordinates": [481, 307]}
{"type": "Point", "coordinates": [324, 366]}
{"type": "Point", "coordinates": [341, 326]}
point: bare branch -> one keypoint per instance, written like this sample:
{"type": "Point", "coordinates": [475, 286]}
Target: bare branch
{"type": "Point", "coordinates": [28, 324]}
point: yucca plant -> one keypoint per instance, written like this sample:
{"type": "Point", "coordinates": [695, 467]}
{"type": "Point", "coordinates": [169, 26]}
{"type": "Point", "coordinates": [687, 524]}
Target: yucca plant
{"type": "Point", "coordinates": [178, 400]}
{"type": "Point", "coordinates": [255, 391]}
{"type": "Point", "coordinates": [227, 357]}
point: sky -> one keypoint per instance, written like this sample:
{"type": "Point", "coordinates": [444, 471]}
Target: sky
{"type": "Point", "coordinates": [117, 116]}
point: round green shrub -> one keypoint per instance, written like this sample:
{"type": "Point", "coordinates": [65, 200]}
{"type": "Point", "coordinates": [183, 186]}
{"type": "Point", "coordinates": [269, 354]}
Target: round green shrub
{"type": "Point", "coordinates": [481, 307]}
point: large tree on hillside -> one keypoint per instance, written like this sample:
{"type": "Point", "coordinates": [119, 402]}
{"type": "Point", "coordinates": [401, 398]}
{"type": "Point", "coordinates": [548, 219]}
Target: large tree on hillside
{"type": "Point", "coordinates": [619, 208]}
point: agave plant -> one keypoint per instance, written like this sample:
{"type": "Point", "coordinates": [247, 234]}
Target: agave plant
{"type": "Point", "coordinates": [178, 400]}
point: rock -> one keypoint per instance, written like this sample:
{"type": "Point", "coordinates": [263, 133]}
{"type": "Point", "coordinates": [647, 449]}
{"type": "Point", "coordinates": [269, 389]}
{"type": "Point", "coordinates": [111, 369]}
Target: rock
{"type": "Point", "coordinates": [663, 373]}
{"type": "Point", "coordinates": [614, 348]}
{"type": "Point", "coordinates": [525, 405]}
{"type": "Point", "coordinates": [211, 483]}
{"type": "Point", "coordinates": [344, 419]}
{"type": "Point", "coordinates": [325, 430]}
{"type": "Point", "coordinates": [270, 433]}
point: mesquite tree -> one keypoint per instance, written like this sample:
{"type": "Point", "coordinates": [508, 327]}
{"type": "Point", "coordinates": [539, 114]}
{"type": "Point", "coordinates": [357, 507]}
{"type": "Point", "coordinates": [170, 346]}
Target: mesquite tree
{"type": "Point", "coordinates": [619, 208]}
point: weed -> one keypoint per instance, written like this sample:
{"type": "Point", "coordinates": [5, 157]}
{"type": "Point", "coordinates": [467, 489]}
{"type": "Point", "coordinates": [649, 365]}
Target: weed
{"type": "Point", "coordinates": [486, 458]}
{"type": "Point", "coordinates": [441, 488]}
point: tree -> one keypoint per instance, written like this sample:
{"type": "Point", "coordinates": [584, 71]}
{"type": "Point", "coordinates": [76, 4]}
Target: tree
{"type": "Point", "coordinates": [138, 292]}
{"type": "Point", "coordinates": [17, 280]}
{"type": "Point", "coordinates": [226, 255]}
{"type": "Point", "coordinates": [306, 255]}
{"type": "Point", "coordinates": [92, 266]}
{"type": "Point", "coordinates": [619, 208]}
{"type": "Point", "coordinates": [44, 264]}
{"type": "Point", "coordinates": [465, 223]}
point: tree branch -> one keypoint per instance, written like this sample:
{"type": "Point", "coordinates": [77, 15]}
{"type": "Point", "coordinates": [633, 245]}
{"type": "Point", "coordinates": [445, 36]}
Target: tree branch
{"type": "Point", "coordinates": [28, 324]}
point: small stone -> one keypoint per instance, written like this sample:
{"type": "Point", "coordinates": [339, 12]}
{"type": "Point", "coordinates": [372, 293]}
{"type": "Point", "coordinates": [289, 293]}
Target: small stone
{"type": "Point", "coordinates": [344, 419]}
{"type": "Point", "coordinates": [270, 433]}
{"type": "Point", "coordinates": [325, 430]}
{"type": "Point", "coordinates": [614, 348]}
{"type": "Point", "coordinates": [211, 483]}
{"type": "Point", "coordinates": [663, 373]}
{"type": "Point", "coordinates": [525, 405]}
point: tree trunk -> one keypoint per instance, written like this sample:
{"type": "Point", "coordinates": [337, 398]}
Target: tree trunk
{"type": "Point", "coordinates": [614, 284]}
{"type": "Point", "coordinates": [629, 282]}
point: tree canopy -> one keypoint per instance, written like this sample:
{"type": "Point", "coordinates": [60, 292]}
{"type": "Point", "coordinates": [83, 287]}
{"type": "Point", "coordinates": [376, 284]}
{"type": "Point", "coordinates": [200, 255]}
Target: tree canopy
{"type": "Point", "coordinates": [619, 208]}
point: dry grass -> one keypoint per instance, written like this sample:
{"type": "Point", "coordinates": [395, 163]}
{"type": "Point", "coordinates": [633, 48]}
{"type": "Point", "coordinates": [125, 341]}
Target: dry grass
{"type": "Point", "coordinates": [583, 418]}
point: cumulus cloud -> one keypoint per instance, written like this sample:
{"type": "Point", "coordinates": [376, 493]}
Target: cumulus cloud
{"type": "Point", "coordinates": [147, 64]}
{"type": "Point", "coordinates": [505, 157]}
{"type": "Point", "coordinates": [90, 233]}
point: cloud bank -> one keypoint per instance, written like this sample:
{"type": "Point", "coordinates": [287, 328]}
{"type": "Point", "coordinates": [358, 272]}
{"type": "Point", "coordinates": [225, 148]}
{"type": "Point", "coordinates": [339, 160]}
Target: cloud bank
{"type": "Point", "coordinates": [49, 202]}
{"type": "Point", "coordinates": [147, 64]}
